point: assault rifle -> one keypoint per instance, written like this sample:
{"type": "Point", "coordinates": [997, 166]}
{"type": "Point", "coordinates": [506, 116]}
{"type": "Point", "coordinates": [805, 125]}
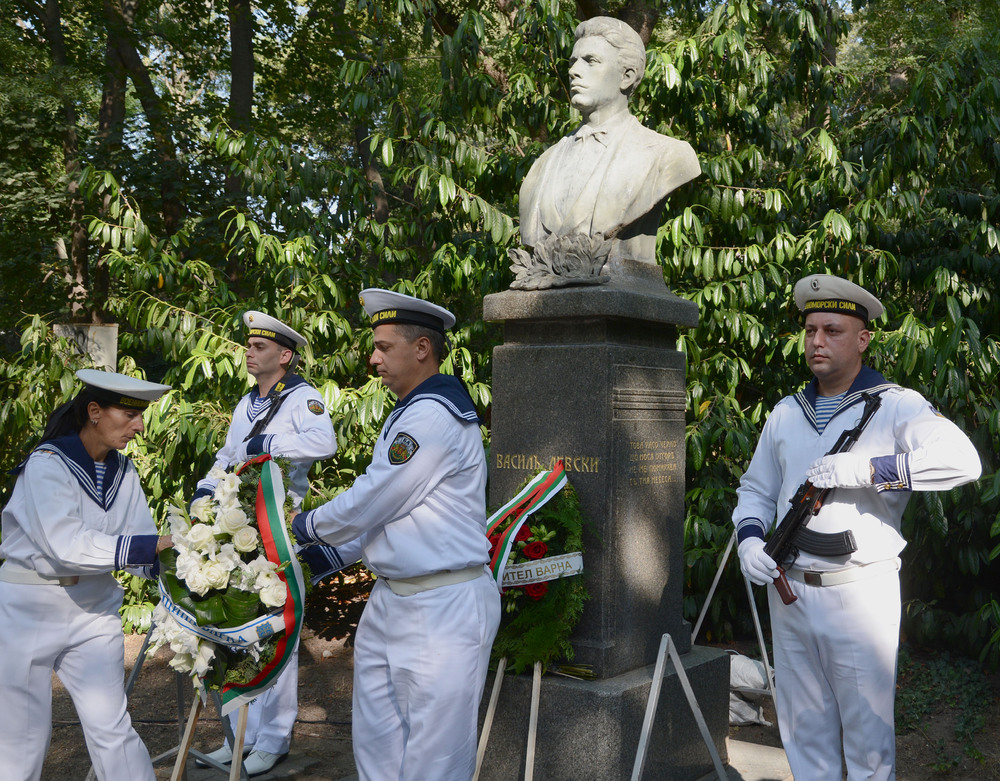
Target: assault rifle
{"type": "Point", "coordinates": [808, 499]}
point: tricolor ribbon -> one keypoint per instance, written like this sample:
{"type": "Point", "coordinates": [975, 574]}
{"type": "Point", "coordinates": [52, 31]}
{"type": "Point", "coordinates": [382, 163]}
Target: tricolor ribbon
{"type": "Point", "coordinates": [279, 549]}
{"type": "Point", "coordinates": [534, 495]}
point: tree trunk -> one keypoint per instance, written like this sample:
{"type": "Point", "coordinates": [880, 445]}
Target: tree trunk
{"type": "Point", "coordinates": [819, 115]}
{"type": "Point", "coordinates": [120, 40]}
{"type": "Point", "coordinates": [381, 209]}
{"type": "Point", "coordinates": [77, 262]}
{"type": "Point", "coordinates": [241, 81]}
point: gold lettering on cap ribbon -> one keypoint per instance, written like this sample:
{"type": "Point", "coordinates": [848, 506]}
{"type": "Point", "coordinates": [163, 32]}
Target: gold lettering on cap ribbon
{"type": "Point", "coordinates": [126, 401]}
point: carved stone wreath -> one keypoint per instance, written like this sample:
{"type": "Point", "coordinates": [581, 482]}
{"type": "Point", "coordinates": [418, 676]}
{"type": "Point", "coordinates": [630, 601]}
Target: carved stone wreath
{"type": "Point", "coordinates": [560, 261]}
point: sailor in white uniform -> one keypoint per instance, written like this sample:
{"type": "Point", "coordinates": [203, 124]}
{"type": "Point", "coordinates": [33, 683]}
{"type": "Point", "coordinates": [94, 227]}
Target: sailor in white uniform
{"type": "Point", "coordinates": [835, 647]}
{"type": "Point", "coordinates": [284, 416]}
{"type": "Point", "coordinates": [76, 514]}
{"type": "Point", "coordinates": [424, 639]}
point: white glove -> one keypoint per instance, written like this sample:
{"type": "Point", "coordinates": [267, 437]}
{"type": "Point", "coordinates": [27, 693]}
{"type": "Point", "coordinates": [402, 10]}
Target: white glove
{"type": "Point", "coordinates": [756, 565]}
{"type": "Point", "coordinates": [841, 470]}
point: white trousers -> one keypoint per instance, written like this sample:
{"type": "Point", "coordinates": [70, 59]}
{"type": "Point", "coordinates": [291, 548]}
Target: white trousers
{"type": "Point", "coordinates": [271, 716]}
{"type": "Point", "coordinates": [835, 678]}
{"type": "Point", "coordinates": [76, 632]}
{"type": "Point", "coordinates": [420, 666]}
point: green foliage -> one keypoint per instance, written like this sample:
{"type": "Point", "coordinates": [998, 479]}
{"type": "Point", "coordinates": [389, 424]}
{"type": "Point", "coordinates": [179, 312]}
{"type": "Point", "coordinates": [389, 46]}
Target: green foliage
{"type": "Point", "coordinates": [141, 596]}
{"type": "Point", "coordinates": [387, 146]}
{"type": "Point", "coordinates": [878, 195]}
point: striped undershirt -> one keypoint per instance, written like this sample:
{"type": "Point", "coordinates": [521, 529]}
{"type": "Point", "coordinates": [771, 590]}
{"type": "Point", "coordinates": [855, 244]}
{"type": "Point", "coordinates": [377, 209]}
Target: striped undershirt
{"type": "Point", "coordinates": [99, 468]}
{"type": "Point", "coordinates": [825, 407]}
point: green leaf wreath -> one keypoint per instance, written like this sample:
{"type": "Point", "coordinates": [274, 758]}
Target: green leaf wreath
{"type": "Point", "coordinates": [539, 618]}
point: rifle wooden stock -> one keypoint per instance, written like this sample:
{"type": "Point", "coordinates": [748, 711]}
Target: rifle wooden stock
{"type": "Point", "coordinates": [784, 588]}
{"type": "Point", "coordinates": [806, 503]}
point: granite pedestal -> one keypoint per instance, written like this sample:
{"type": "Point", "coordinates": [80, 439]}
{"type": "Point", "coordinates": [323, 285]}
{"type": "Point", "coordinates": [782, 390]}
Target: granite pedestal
{"type": "Point", "coordinates": [592, 376]}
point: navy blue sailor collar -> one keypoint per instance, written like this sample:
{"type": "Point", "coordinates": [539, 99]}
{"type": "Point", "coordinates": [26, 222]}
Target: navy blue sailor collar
{"type": "Point", "coordinates": [76, 458]}
{"type": "Point", "coordinates": [447, 390]}
{"type": "Point", "coordinates": [868, 381]}
{"type": "Point", "coordinates": [293, 382]}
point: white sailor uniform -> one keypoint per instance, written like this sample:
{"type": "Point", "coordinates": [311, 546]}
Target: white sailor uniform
{"type": "Point", "coordinates": [301, 431]}
{"type": "Point", "coordinates": [62, 537]}
{"type": "Point", "coordinates": [424, 640]}
{"type": "Point", "coordinates": [835, 648]}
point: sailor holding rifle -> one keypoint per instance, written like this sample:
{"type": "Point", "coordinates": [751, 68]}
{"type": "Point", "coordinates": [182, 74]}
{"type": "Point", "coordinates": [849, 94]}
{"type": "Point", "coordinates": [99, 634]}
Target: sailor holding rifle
{"type": "Point", "coordinates": [835, 646]}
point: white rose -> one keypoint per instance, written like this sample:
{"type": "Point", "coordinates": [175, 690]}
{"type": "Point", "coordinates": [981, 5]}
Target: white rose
{"type": "Point", "coordinates": [197, 582]}
{"type": "Point", "coordinates": [216, 473]}
{"type": "Point", "coordinates": [201, 537]}
{"type": "Point", "coordinates": [245, 539]}
{"type": "Point", "coordinates": [265, 580]}
{"type": "Point", "coordinates": [274, 594]}
{"type": "Point", "coordinates": [231, 519]}
{"type": "Point", "coordinates": [216, 573]}
{"type": "Point", "coordinates": [201, 508]}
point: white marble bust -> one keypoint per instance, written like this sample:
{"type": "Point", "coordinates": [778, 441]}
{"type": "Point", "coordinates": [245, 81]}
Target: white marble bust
{"type": "Point", "coordinates": [609, 179]}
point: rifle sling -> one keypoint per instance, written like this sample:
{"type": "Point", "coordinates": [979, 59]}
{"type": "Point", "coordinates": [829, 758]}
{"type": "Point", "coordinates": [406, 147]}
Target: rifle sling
{"type": "Point", "coordinates": [276, 401]}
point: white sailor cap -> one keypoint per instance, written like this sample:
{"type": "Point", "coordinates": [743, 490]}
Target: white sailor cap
{"type": "Point", "coordinates": [120, 389]}
{"type": "Point", "coordinates": [267, 327]}
{"type": "Point", "coordinates": [827, 293]}
{"type": "Point", "coordinates": [388, 306]}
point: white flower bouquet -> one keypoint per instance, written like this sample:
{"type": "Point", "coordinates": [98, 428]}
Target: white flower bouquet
{"type": "Point", "coordinates": [231, 588]}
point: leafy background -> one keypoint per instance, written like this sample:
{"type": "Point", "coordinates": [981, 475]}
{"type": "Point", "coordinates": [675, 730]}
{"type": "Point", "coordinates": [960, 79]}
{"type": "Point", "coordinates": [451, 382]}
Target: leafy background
{"type": "Point", "coordinates": [167, 166]}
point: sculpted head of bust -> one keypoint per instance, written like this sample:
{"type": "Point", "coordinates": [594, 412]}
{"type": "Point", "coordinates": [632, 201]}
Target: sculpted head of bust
{"type": "Point", "coordinates": [606, 65]}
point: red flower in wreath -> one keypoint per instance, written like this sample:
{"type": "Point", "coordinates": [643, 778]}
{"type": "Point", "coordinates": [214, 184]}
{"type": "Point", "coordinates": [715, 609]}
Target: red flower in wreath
{"type": "Point", "coordinates": [535, 550]}
{"type": "Point", "coordinates": [536, 590]}
{"type": "Point", "coordinates": [523, 534]}
{"type": "Point", "coordinates": [494, 541]}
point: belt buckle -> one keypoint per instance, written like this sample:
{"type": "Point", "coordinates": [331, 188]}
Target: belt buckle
{"type": "Point", "coordinates": [68, 580]}
{"type": "Point", "coordinates": [812, 578]}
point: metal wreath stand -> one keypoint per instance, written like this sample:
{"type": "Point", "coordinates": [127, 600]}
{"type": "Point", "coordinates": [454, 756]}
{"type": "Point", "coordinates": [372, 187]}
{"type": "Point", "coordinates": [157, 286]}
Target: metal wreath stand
{"type": "Point", "coordinates": [667, 649]}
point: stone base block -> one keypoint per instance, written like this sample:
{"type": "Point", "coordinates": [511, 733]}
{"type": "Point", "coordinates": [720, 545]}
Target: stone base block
{"type": "Point", "coordinates": [589, 730]}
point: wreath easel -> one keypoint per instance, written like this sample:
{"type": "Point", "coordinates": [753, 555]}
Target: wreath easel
{"type": "Point", "coordinates": [535, 564]}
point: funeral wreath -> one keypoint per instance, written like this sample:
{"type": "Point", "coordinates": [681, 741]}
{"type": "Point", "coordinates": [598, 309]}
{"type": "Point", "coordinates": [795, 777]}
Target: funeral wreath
{"type": "Point", "coordinates": [537, 556]}
{"type": "Point", "coordinates": [231, 589]}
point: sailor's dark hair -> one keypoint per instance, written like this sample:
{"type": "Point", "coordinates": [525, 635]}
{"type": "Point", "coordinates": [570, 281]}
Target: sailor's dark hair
{"type": "Point", "coordinates": [439, 345]}
{"type": "Point", "coordinates": [71, 417]}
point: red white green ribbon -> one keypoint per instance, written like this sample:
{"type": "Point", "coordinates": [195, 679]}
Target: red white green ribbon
{"type": "Point", "coordinates": [534, 495]}
{"type": "Point", "coordinates": [279, 549]}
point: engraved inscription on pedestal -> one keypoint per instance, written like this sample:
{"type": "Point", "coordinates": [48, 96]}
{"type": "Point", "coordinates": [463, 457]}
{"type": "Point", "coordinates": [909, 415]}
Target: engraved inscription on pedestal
{"type": "Point", "coordinates": [533, 462]}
